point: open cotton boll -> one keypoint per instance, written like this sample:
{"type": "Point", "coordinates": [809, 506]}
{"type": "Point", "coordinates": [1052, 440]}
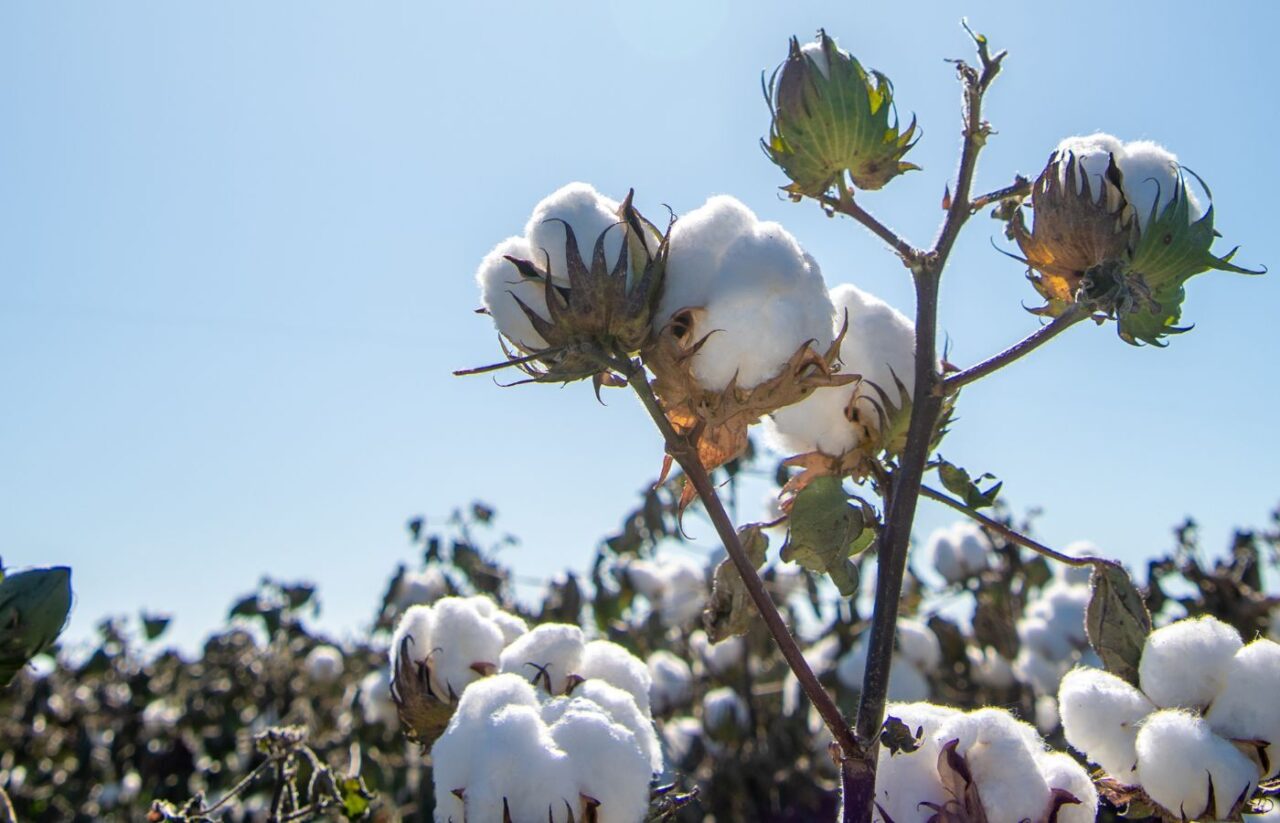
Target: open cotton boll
{"type": "Point", "coordinates": [907, 684]}
{"type": "Point", "coordinates": [879, 344]}
{"type": "Point", "coordinates": [1060, 771]}
{"type": "Point", "coordinates": [684, 591]}
{"type": "Point", "coordinates": [1164, 671]}
{"type": "Point", "coordinates": [510, 626]}
{"type": "Point", "coordinates": [1248, 707]}
{"type": "Point", "coordinates": [607, 762]}
{"type": "Point", "coordinates": [1046, 714]}
{"type": "Point", "coordinates": [1178, 754]}
{"type": "Point", "coordinates": [724, 712]}
{"type": "Point", "coordinates": [376, 705]}
{"type": "Point", "coordinates": [719, 658]}
{"type": "Point", "coordinates": [907, 779]}
{"type": "Point", "coordinates": [587, 211]}
{"type": "Point", "coordinates": [552, 648]}
{"type": "Point", "coordinates": [1100, 718]}
{"type": "Point", "coordinates": [671, 681]}
{"type": "Point", "coordinates": [500, 283]}
{"type": "Point", "coordinates": [1148, 171]}
{"type": "Point", "coordinates": [486, 696]}
{"type": "Point", "coordinates": [1076, 575]}
{"type": "Point", "coordinates": [919, 644]}
{"type": "Point", "coordinates": [680, 738]}
{"type": "Point", "coordinates": [958, 552]}
{"type": "Point", "coordinates": [616, 666]}
{"type": "Point", "coordinates": [622, 708]}
{"type": "Point", "coordinates": [415, 626]}
{"type": "Point", "coordinates": [420, 587]}
{"type": "Point", "coordinates": [989, 668]}
{"type": "Point", "coordinates": [646, 577]}
{"type": "Point", "coordinates": [467, 644]}
{"type": "Point", "coordinates": [516, 759]}
{"type": "Point", "coordinates": [323, 664]}
{"type": "Point", "coordinates": [697, 242]}
{"type": "Point", "coordinates": [1001, 752]}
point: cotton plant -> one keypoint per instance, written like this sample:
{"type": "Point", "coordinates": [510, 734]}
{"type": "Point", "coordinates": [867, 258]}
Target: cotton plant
{"type": "Point", "coordinates": [1196, 734]}
{"type": "Point", "coordinates": [723, 320]}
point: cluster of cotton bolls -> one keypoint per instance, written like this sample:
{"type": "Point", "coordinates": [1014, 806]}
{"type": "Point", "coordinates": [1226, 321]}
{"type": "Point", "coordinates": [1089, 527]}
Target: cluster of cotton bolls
{"type": "Point", "coordinates": [547, 723]}
{"type": "Point", "coordinates": [879, 345]}
{"type": "Point", "coordinates": [1150, 173]}
{"type": "Point", "coordinates": [749, 289]}
{"type": "Point", "coordinates": [1052, 637]}
{"type": "Point", "coordinates": [916, 655]}
{"type": "Point", "coordinates": [676, 587]}
{"type": "Point", "coordinates": [959, 552]}
{"type": "Point", "coordinates": [1203, 724]}
{"type": "Point", "coordinates": [1012, 770]}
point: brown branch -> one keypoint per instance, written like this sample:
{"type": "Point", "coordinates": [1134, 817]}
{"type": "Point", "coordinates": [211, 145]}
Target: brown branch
{"type": "Point", "coordinates": [1021, 187]}
{"type": "Point", "coordinates": [845, 204]}
{"type": "Point", "coordinates": [1008, 533]}
{"type": "Point", "coordinates": [1074, 314]}
{"type": "Point", "coordinates": [684, 453]}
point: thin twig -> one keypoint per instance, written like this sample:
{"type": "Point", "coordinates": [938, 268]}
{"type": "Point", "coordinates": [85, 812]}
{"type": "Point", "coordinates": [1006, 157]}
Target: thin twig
{"type": "Point", "coordinates": [845, 204]}
{"type": "Point", "coordinates": [1021, 187]}
{"type": "Point", "coordinates": [1074, 314]}
{"type": "Point", "coordinates": [1008, 533]}
{"type": "Point", "coordinates": [686, 455]}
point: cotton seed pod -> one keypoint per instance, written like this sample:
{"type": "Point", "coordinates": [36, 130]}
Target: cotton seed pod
{"type": "Point", "coordinates": [833, 117]}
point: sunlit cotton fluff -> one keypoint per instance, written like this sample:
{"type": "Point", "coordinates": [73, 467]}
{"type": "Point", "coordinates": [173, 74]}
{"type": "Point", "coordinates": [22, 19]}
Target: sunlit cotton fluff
{"type": "Point", "coordinates": [719, 658]}
{"type": "Point", "coordinates": [672, 682]}
{"type": "Point", "coordinates": [460, 643]}
{"type": "Point", "coordinates": [1000, 751]}
{"type": "Point", "coordinates": [1186, 664]}
{"type": "Point", "coordinates": [607, 661]}
{"type": "Point", "coordinates": [879, 345]}
{"type": "Point", "coordinates": [1178, 755]}
{"type": "Point", "coordinates": [608, 764]}
{"type": "Point", "coordinates": [420, 587]}
{"type": "Point", "coordinates": [1149, 172]}
{"type": "Point", "coordinates": [589, 213]}
{"type": "Point", "coordinates": [958, 551]}
{"type": "Point", "coordinates": [1051, 635]}
{"type": "Point", "coordinates": [548, 655]}
{"type": "Point", "coordinates": [906, 779]}
{"type": "Point", "coordinates": [755, 296]}
{"type": "Point", "coordinates": [1100, 718]}
{"type": "Point", "coordinates": [1248, 707]}
{"type": "Point", "coordinates": [376, 705]}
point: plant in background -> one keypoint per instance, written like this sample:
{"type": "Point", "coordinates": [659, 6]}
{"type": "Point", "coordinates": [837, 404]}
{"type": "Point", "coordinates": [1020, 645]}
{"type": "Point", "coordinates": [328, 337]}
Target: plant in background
{"type": "Point", "coordinates": [744, 329]}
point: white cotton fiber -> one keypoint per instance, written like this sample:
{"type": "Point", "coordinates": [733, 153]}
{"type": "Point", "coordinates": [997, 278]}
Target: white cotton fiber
{"type": "Point", "coordinates": [376, 705]}
{"type": "Point", "coordinates": [684, 591]}
{"type": "Point", "coordinates": [1001, 752]}
{"type": "Point", "coordinates": [907, 779]}
{"type": "Point", "coordinates": [466, 644]}
{"type": "Point", "coordinates": [1248, 707]}
{"type": "Point", "coordinates": [878, 345]}
{"type": "Point", "coordinates": [907, 683]}
{"type": "Point", "coordinates": [718, 658]}
{"type": "Point", "coordinates": [486, 696]}
{"type": "Point", "coordinates": [622, 709]}
{"type": "Point", "coordinates": [989, 668]}
{"type": "Point", "coordinates": [814, 51]}
{"type": "Point", "coordinates": [608, 765]}
{"type": "Point", "coordinates": [1046, 714]}
{"type": "Point", "coordinates": [510, 626]}
{"type": "Point", "coordinates": [958, 552]}
{"type": "Point", "coordinates": [616, 666]}
{"type": "Point", "coordinates": [672, 682]}
{"type": "Point", "coordinates": [323, 664]}
{"type": "Point", "coordinates": [1185, 664]}
{"type": "Point", "coordinates": [679, 737]}
{"type": "Point", "coordinates": [415, 626]}
{"type": "Point", "coordinates": [917, 643]}
{"type": "Point", "coordinates": [1148, 171]}
{"type": "Point", "coordinates": [759, 297]}
{"type": "Point", "coordinates": [588, 212]}
{"type": "Point", "coordinates": [553, 648]}
{"type": "Point", "coordinates": [420, 587]}
{"type": "Point", "coordinates": [723, 711]}
{"type": "Point", "coordinates": [1061, 771]}
{"type": "Point", "coordinates": [1076, 575]}
{"type": "Point", "coordinates": [1041, 673]}
{"type": "Point", "coordinates": [1178, 754]}
{"type": "Point", "coordinates": [1100, 718]}
{"type": "Point", "coordinates": [499, 280]}
{"type": "Point", "coordinates": [517, 760]}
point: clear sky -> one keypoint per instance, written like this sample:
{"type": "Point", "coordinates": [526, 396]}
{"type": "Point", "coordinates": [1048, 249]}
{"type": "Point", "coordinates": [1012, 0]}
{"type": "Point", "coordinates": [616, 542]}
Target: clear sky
{"type": "Point", "coordinates": [237, 242]}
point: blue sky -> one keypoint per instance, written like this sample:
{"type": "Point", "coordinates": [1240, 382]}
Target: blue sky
{"type": "Point", "coordinates": [237, 243]}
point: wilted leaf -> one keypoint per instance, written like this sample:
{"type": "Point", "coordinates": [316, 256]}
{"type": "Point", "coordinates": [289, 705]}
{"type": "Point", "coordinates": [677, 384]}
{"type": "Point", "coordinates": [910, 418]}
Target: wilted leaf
{"type": "Point", "coordinates": [1117, 620]}
{"type": "Point", "coordinates": [33, 610]}
{"type": "Point", "coordinates": [730, 611]}
{"type": "Point", "coordinates": [897, 736]}
{"type": "Point", "coordinates": [959, 483]}
{"type": "Point", "coordinates": [826, 530]}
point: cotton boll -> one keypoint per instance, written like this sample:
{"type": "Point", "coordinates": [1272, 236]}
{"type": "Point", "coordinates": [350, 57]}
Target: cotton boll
{"type": "Point", "coordinates": [1093, 153]}
{"type": "Point", "coordinates": [376, 705]}
{"type": "Point", "coordinates": [1100, 717]}
{"type": "Point", "coordinates": [616, 666]}
{"type": "Point", "coordinates": [483, 604]}
{"type": "Point", "coordinates": [553, 648]}
{"type": "Point", "coordinates": [958, 552]}
{"type": "Point", "coordinates": [501, 283]}
{"type": "Point", "coordinates": [467, 642]}
{"type": "Point", "coordinates": [719, 658]}
{"type": "Point", "coordinates": [510, 626]}
{"type": "Point", "coordinates": [907, 684]}
{"type": "Point", "coordinates": [919, 644]}
{"type": "Point", "coordinates": [989, 668]}
{"type": "Point", "coordinates": [697, 244]}
{"type": "Point", "coordinates": [1046, 714]}
{"type": "Point", "coordinates": [415, 626]}
{"type": "Point", "coordinates": [607, 762]}
{"type": "Point", "coordinates": [490, 694]}
{"type": "Point", "coordinates": [1151, 178]}
{"type": "Point", "coordinates": [1060, 771]}
{"type": "Point", "coordinates": [1164, 671]}
{"type": "Point", "coordinates": [646, 577]}
{"type": "Point", "coordinates": [671, 681]}
{"type": "Point", "coordinates": [622, 709]}
{"type": "Point", "coordinates": [725, 713]}
{"type": "Point", "coordinates": [684, 593]}
{"type": "Point", "coordinates": [1178, 754]}
{"type": "Point", "coordinates": [1000, 751]}
{"type": "Point", "coordinates": [907, 779]}
{"type": "Point", "coordinates": [420, 588]}
{"type": "Point", "coordinates": [588, 212]}
{"type": "Point", "coordinates": [323, 664]}
{"type": "Point", "coordinates": [517, 760]}
{"type": "Point", "coordinates": [1247, 708]}
{"type": "Point", "coordinates": [681, 738]}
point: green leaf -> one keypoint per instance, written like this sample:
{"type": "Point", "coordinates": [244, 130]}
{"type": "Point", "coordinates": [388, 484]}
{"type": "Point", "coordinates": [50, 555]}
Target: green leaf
{"type": "Point", "coordinates": [154, 625]}
{"type": "Point", "coordinates": [33, 611]}
{"type": "Point", "coordinates": [959, 483]}
{"type": "Point", "coordinates": [826, 530]}
{"type": "Point", "coordinates": [730, 611]}
{"type": "Point", "coordinates": [355, 798]}
{"type": "Point", "coordinates": [1117, 620]}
